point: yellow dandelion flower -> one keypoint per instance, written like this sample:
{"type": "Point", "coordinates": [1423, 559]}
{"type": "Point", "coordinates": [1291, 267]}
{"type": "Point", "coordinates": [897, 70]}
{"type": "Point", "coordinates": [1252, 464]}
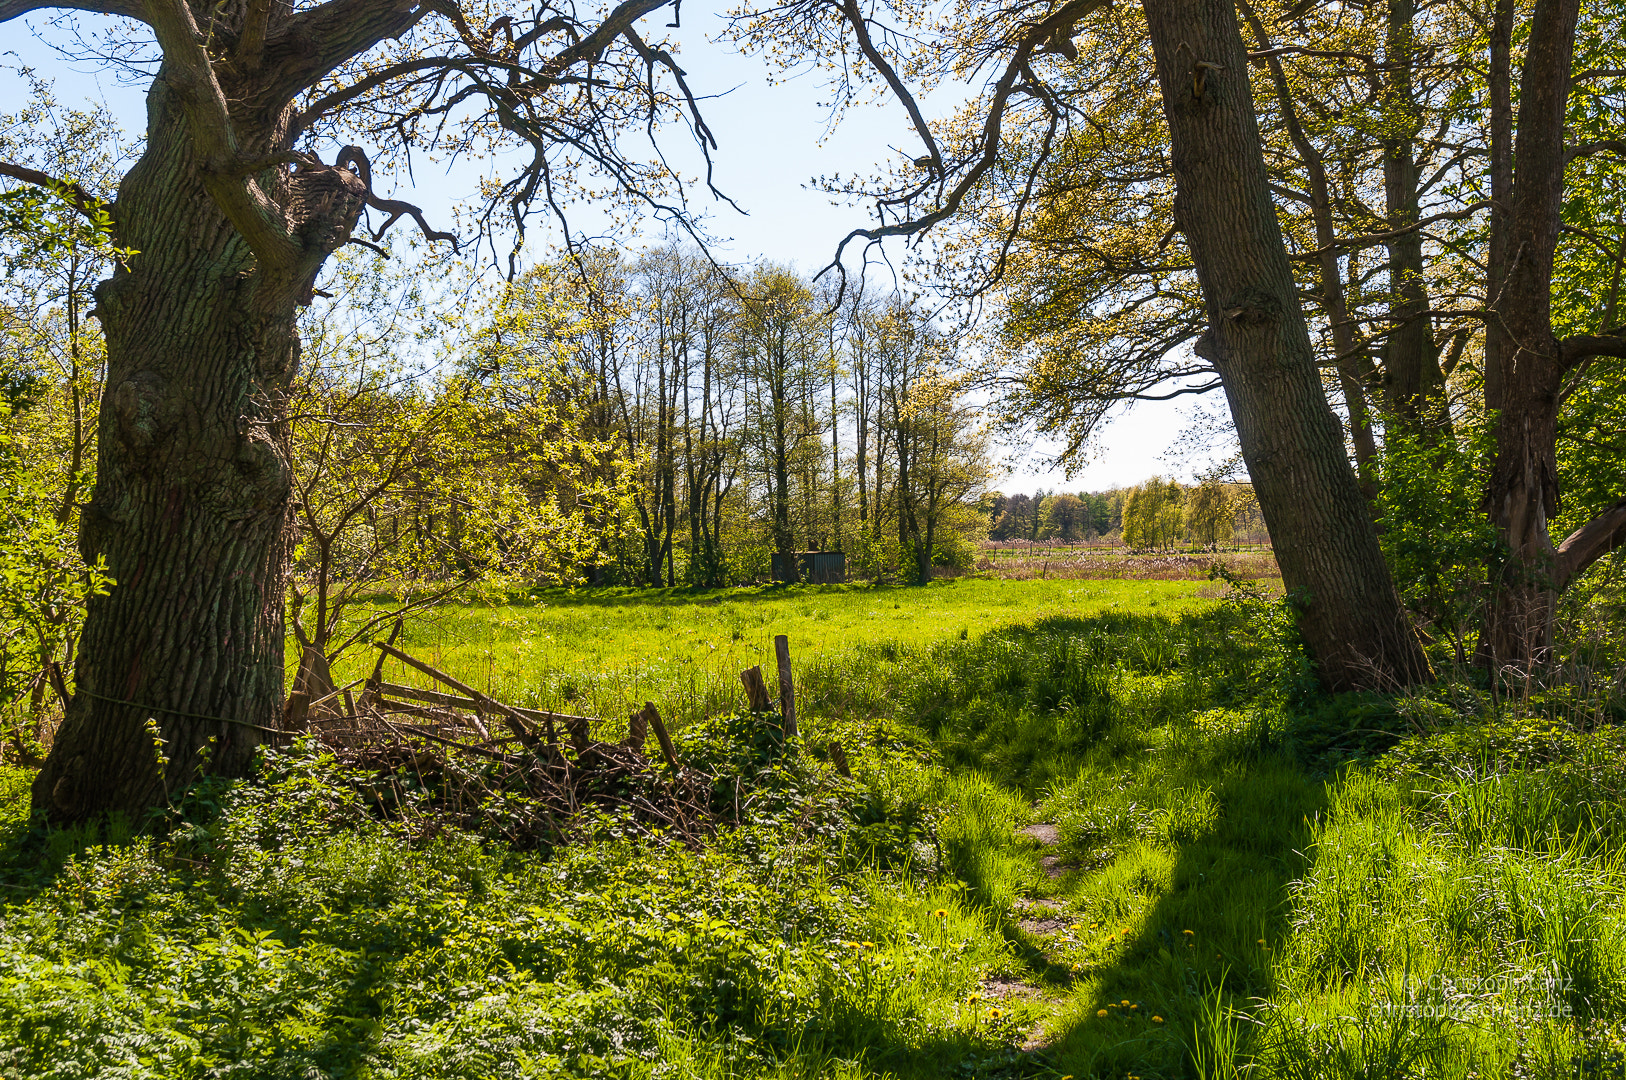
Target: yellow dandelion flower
{"type": "Point", "coordinates": [1134, 1006]}
{"type": "Point", "coordinates": [1100, 1012]}
{"type": "Point", "coordinates": [941, 913]}
{"type": "Point", "coordinates": [1261, 941]}
{"type": "Point", "coordinates": [994, 1014]}
{"type": "Point", "coordinates": [1126, 1003]}
{"type": "Point", "coordinates": [868, 945]}
{"type": "Point", "coordinates": [1189, 933]}
{"type": "Point", "coordinates": [1157, 1019]}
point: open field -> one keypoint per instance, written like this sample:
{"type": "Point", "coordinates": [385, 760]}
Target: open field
{"type": "Point", "coordinates": [602, 652]}
{"type": "Point", "coordinates": [1107, 831]}
{"type": "Point", "coordinates": [1020, 560]}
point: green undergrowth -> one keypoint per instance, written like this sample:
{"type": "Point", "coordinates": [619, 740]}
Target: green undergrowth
{"type": "Point", "coordinates": [1224, 874]}
{"type": "Point", "coordinates": [1258, 880]}
{"type": "Point", "coordinates": [291, 932]}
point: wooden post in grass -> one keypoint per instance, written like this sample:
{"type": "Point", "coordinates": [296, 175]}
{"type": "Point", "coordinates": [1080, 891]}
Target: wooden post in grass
{"type": "Point", "coordinates": [637, 731]}
{"type": "Point", "coordinates": [787, 688]}
{"type": "Point", "coordinates": [654, 716]}
{"type": "Point", "coordinates": [756, 691]}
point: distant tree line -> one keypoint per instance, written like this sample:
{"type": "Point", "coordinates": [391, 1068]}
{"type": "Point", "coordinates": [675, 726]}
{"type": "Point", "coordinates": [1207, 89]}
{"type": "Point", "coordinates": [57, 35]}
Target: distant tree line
{"type": "Point", "coordinates": [1158, 514]}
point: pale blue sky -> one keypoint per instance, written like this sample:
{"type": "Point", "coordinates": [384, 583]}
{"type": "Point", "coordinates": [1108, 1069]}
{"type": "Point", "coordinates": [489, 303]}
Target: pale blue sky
{"type": "Point", "coordinates": [774, 139]}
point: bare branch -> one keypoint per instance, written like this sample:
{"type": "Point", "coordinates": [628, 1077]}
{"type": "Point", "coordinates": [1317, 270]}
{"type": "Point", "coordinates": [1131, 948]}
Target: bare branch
{"type": "Point", "coordinates": [593, 46]}
{"type": "Point", "coordinates": [1005, 88]}
{"type": "Point", "coordinates": [1374, 239]}
{"type": "Point", "coordinates": [1172, 394]}
{"type": "Point", "coordinates": [129, 9]}
{"type": "Point", "coordinates": [328, 102]}
{"type": "Point", "coordinates": [860, 28]}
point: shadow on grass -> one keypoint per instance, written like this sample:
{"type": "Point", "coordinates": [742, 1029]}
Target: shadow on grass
{"type": "Point", "coordinates": [1220, 910]}
{"type": "Point", "coordinates": [1188, 838]}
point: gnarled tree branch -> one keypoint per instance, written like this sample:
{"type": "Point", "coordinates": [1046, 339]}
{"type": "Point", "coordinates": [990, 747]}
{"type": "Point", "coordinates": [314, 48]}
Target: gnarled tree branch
{"type": "Point", "coordinates": [1582, 347]}
{"type": "Point", "coordinates": [318, 40]}
{"type": "Point", "coordinates": [355, 159]}
{"type": "Point", "coordinates": [188, 70]}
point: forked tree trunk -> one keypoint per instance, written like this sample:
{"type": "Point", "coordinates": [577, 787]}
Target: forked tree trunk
{"type": "Point", "coordinates": [191, 504]}
{"type": "Point", "coordinates": [1258, 340]}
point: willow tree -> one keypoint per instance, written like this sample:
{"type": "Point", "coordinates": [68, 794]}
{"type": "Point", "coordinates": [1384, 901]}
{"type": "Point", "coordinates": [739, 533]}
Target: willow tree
{"type": "Point", "coordinates": [233, 213]}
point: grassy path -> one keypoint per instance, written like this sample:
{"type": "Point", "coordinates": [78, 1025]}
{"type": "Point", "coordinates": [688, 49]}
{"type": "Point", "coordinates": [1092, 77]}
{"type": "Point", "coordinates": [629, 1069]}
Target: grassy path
{"type": "Point", "coordinates": [1192, 878]}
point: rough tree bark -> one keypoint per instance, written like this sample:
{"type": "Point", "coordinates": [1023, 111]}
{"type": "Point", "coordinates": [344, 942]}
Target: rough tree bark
{"type": "Point", "coordinates": [191, 507]}
{"type": "Point", "coordinates": [1527, 367]}
{"type": "Point", "coordinates": [1258, 340]}
{"type": "Point", "coordinates": [1350, 355]}
{"type": "Point", "coordinates": [231, 225]}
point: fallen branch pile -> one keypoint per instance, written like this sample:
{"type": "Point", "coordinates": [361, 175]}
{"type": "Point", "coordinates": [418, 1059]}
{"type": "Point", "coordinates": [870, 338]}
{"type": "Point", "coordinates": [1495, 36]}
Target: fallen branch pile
{"type": "Point", "coordinates": [461, 758]}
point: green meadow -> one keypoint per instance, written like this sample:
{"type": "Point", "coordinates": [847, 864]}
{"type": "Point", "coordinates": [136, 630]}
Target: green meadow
{"type": "Point", "coordinates": [604, 651]}
{"type": "Point", "coordinates": [1093, 829]}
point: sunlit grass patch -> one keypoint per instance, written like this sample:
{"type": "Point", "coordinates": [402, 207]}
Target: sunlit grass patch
{"type": "Point", "coordinates": [603, 652]}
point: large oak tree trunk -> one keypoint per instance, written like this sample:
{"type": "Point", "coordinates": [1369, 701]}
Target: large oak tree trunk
{"type": "Point", "coordinates": [191, 504]}
{"type": "Point", "coordinates": [1258, 340]}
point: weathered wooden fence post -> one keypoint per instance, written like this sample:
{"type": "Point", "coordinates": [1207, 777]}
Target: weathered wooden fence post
{"type": "Point", "coordinates": [787, 687]}
{"type": "Point", "coordinates": [756, 691]}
